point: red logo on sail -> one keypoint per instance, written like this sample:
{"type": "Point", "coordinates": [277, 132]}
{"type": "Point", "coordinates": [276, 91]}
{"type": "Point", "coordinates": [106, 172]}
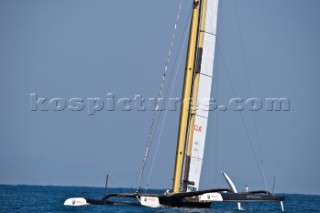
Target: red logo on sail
{"type": "Point", "coordinates": [198, 128]}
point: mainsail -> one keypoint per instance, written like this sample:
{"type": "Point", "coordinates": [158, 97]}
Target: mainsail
{"type": "Point", "coordinates": [201, 94]}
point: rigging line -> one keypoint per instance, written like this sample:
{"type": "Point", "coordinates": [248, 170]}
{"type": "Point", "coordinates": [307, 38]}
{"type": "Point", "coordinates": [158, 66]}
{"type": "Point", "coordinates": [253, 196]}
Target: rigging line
{"type": "Point", "coordinates": [170, 78]}
{"type": "Point", "coordinates": [179, 56]}
{"type": "Point", "coordinates": [166, 112]}
{"type": "Point", "coordinates": [241, 114]}
{"type": "Point", "coordinates": [234, 91]}
{"type": "Point", "coordinates": [151, 131]}
{"type": "Point", "coordinates": [217, 130]}
{"type": "Point", "coordinates": [174, 67]}
{"type": "Point", "coordinates": [249, 88]}
{"type": "Point", "coordinates": [182, 42]}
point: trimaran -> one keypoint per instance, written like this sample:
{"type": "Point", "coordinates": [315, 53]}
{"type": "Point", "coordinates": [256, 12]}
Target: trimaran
{"type": "Point", "coordinates": [192, 129]}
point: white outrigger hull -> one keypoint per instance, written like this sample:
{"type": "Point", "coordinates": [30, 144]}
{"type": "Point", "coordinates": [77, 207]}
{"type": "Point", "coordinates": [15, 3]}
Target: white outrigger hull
{"type": "Point", "coordinates": [77, 201]}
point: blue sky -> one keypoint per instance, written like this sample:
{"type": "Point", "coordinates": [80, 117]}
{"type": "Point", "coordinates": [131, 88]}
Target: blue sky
{"type": "Point", "coordinates": [86, 49]}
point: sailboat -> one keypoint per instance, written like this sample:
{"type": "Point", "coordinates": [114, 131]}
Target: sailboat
{"type": "Point", "coordinates": [192, 130]}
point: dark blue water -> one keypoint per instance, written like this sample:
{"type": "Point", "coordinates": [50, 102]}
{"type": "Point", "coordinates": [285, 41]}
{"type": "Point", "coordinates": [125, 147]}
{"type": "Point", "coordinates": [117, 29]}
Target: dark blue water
{"type": "Point", "coordinates": [51, 199]}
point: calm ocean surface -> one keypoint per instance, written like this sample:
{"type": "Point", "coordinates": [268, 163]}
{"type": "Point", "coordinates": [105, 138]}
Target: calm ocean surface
{"type": "Point", "coordinates": [51, 199]}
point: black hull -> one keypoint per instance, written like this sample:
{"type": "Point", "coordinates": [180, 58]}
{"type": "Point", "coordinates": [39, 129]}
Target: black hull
{"type": "Point", "coordinates": [190, 199]}
{"type": "Point", "coordinates": [250, 197]}
{"type": "Point", "coordinates": [185, 203]}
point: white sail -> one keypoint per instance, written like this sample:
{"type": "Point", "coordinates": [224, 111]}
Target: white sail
{"type": "Point", "coordinates": [204, 92]}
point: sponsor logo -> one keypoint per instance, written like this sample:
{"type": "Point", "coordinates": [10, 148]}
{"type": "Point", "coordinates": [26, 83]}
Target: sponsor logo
{"type": "Point", "coordinates": [198, 128]}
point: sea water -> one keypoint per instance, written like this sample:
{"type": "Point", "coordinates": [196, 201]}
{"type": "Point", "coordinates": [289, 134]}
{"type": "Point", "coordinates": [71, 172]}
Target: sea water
{"type": "Point", "coordinates": [51, 198]}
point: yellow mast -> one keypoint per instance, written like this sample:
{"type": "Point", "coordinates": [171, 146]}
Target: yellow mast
{"type": "Point", "coordinates": [195, 89]}
{"type": "Point", "coordinates": [184, 114]}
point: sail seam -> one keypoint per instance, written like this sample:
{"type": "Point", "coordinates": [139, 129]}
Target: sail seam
{"type": "Point", "coordinates": [205, 75]}
{"type": "Point", "coordinates": [214, 34]}
{"type": "Point", "coordinates": [201, 116]}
